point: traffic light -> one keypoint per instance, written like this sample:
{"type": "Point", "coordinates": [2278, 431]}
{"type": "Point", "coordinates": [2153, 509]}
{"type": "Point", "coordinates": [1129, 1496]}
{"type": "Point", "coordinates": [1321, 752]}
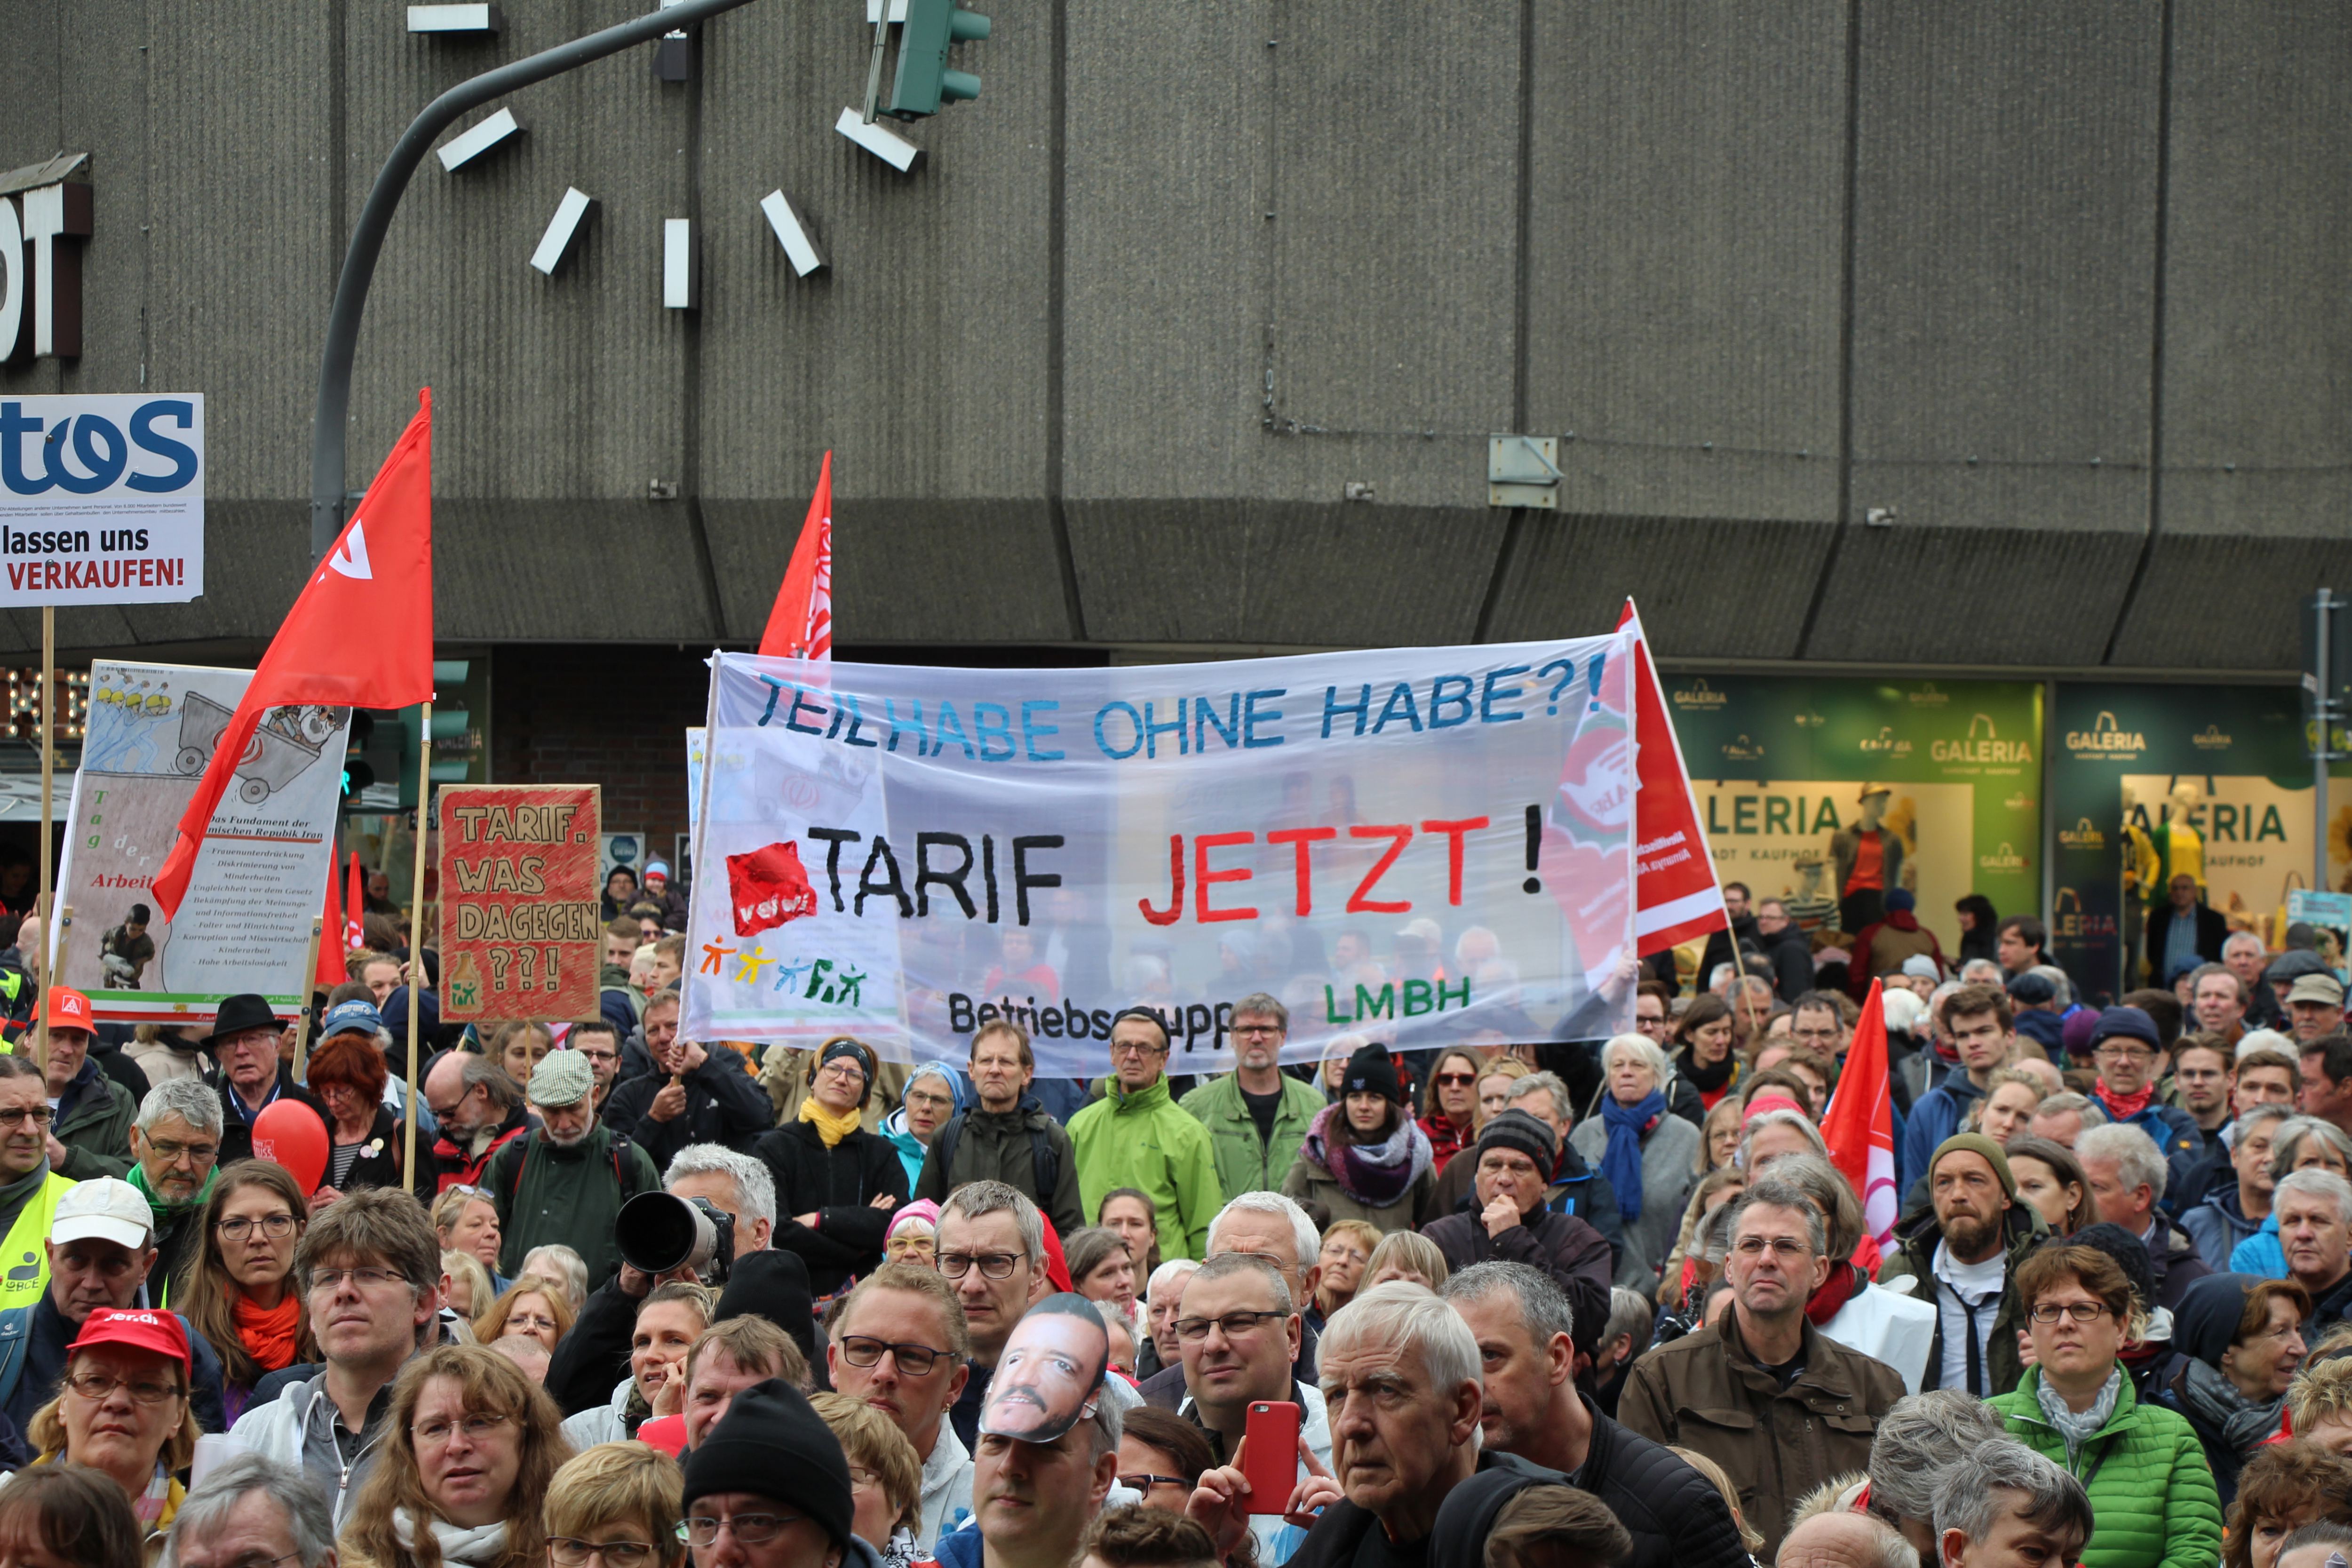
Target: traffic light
{"type": "Point", "coordinates": [923, 80]}
{"type": "Point", "coordinates": [358, 771]}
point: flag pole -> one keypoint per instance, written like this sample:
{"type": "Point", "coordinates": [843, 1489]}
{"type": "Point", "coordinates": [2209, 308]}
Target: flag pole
{"type": "Point", "coordinates": [302, 1023]}
{"type": "Point", "coordinates": [42, 897]}
{"type": "Point", "coordinates": [416, 929]}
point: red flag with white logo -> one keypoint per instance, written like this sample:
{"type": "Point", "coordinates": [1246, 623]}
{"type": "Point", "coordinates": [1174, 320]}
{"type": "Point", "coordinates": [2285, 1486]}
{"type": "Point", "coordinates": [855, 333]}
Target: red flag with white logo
{"type": "Point", "coordinates": [1675, 899]}
{"type": "Point", "coordinates": [800, 624]}
{"type": "Point", "coordinates": [359, 636]}
{"type": "Point", "coordinates": [1859, 1123]}
{"type": "Point", "coordinates": [355, 905]}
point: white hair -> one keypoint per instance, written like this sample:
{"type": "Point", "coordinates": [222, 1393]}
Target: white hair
{"type": "Point", "coordinates": [1303, 1238]}
{"type": "Point", "coordinates": [1779, 1119]}
{"type": "Point", "coordinates": [1642, 1046]}
{"type": "Point", "coordinates": [755, 1184]}
{"type": "Point", "coordinates": [2137, 1160]}
{"type": "Point", "coordinates": [1904, 1009]}
{"type": "Point", "coordinates": [2319, 1184]}
{"type": "Point", "coordinates": [1402, 1313]}
{"type": "Point", "coordinates": [208, 1504]}
{"type": "Point", "coordinates": [1172, 1275]}
{"type": "Point", "coordinates": [2058, 981]}
{"type": "Point", "coordinates": [2265, 1041]}
{"type": "Point", "coordinates": [2242, 938]}
{"type": "Point", "coordinates": [191, 1099]}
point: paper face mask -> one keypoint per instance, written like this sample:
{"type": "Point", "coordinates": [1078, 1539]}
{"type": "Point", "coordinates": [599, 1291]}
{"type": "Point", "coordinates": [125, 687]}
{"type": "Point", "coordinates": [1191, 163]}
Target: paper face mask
{"type": "Point", "coordinates": [1050, 1372]}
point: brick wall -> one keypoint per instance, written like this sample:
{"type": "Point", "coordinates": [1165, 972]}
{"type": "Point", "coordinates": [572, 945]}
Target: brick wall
{"type": "Point", "coordinates": [612, 714]}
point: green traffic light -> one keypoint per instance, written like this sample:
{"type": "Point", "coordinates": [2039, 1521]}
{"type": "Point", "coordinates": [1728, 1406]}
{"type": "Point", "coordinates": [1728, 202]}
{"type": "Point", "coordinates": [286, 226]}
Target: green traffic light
{"type": "Point", "coordinates": [924, 81]}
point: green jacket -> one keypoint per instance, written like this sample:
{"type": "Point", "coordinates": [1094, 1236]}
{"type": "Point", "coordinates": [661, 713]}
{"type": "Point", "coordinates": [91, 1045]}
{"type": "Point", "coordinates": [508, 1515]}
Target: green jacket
{"type": "Point", "coordinates": [547, 1194]}
{"type": "Point", "coordinates": [2151, 1489]}
{"type": "Point", "coordinates": [1147, 1142]}
{"type": "Point", "coordinates": [97, 1131]}
{"type": "Point", "coordinates": [1246, 1163]}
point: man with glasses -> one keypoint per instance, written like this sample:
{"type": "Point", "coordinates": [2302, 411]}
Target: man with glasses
{"type": "Point", "coordinates": [899, 1343]}
{"type": "Point", "coordinates": [2131, 1060]}
{"type": "Point", "coordinates": [1653, 1013]}
{"type": "Point", "coordinates": [1257, 1115]}
{"type": "Point", "coordinates": [1782, 942]}
{"type": "Point", "coordinates": [1136, 1136]}
{"type": "Point", "coordinates": [243, 1043]}
{"type": "Point", "coordinates": [1981, 1025]}
{"type": "Point", "coordinates": [369, 1268]}
{"type": "Point", "coordinates": [1275, 1231]}
{"type": "Point", "coordinates": [697, 1096]}
{"type": "Point", "coordinates": [992, 1251]}
{"type": "Point", "coordinates": [101, 1252]}
{"type": "Point", "coordinates": [29, 1190]}
{"type": "Point", "coordinates": [91, 1135]}
{"type": "Point", "coordinates": [1763, 1393]}
{"type": "Point", "coordinates": [175, 1154]}
{"type": "Point", "coordinates": [1007, 1135]}
{"type": "Point", "coordinates": [600, 1042]}
{"type": "Point", "coordinates": [769, 1487]}
{"type": "Point", "coordinates": [252, 1512]}
{"type": "Point", "coordinates": [478, 1111]}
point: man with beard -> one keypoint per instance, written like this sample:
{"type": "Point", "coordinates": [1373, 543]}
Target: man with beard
{"type": "Point", "coordinates": [1965, 1253]}
{"type": "Point", "coordinates": [564, 1184]}
{"type": "Point", "coordinates": [479, 1109]}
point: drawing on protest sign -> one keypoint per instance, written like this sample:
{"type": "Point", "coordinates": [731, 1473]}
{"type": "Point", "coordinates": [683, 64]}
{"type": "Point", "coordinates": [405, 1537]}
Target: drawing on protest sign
{"type": "Point", "coordinates": [1409, 845]}
{"type": "Point", "coordinates": [103, 499]}
{"type": "Point", "coordinates": [246, 923]}
{"type": "Point", "coordinates": [519, 926]}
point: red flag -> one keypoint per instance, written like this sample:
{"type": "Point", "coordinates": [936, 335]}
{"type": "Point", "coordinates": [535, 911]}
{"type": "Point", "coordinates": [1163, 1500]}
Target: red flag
{"type": "Point", "coordinates": [1859, 1124]}
{"type": "Point", "coordinates": [355, 905]}
{"type": "Point", "coordinates": [800, 625]}
{"type": "Point", "coordinates": [1676, 898]}
{"type": "Point", "coordinates": [359, 635]}
{"type": "Point", "coordinates": [332, 972]}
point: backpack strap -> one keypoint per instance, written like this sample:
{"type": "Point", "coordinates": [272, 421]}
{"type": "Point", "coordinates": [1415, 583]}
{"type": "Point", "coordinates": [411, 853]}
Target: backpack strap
{"type": "Point", "coordinates": [1044, 1165]}
{"type": "Point", "coordinates": [945, 1143]}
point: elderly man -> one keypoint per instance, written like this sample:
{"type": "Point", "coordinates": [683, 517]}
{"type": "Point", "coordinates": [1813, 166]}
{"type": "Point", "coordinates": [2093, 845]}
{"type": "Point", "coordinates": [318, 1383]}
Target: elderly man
{"type": "Point", "coordinates": [2062, 1118]}
{"type": "Point", "coordinates": [1916, 1441]}
{"type": "Point", "coordinates": [1163, 1296]}
{"type": "Point", "coordinates": [2005, 1506]}
{"type": "Point", "coordinates": [1575, 1187]}
{"type": "Point", "coordinates": [250, 1509]}
{"type": "Point", "coordinates": [1836, 1539]}
{"type": "Point", "coordinates": [244, 1043]}
{"type": "Point", "coordinates": [369, 1267]}
{"type": "Point", "coordinates": [29, 1190]}
{"type": "Point", "coordinates": [769, 1487]}
{"type": "Point", "coordinates": [1514, 1154]}
{"type": "Point", "coordinates": [2127, 1177]}
{"type": "Point", "coordinates": [564, 1184]}
{"type": "Point", "coordinates": [2218, 999]}
{"type": "Point", "coordinates": [100, 1251]}
{"type": "Point", "coordinates": [175, 1154]}
{"type": "Point", "coordinates": [479, 1109]}
{"type": "Point", "coordinates": [1532, 1407]}
{"type": "Point", "coordinates": [2314, 1216]}
{"type": "Point", "coordinates": [900, 1343]}
{"type": "Point", "coordinates": [1761, 1392]}
{"type": "Point", "coordinates": [992, 1250]}
{"type": "Point", "coordinates": [2131, 1058]}
{"type": "Point", "coordinates": [2238, 1200]}
{"type": "Point", "coordinates": [1962, 1255]}
{"type": "Point", "coordinates": [696, 1096]}
{"type": "Point", "coordinates": [1263, 1224]}
{"type": "Point", "coordinates": [2316, 1005]}
{"type": "Point", "coordinates": [91, 1134]}
{"type": "Point", "coordinates": [737, 1184]}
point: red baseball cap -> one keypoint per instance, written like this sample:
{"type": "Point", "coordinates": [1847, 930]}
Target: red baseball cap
{"type": "Point", "coordinates": [67, 1008]}
{"type": "Point", "coordinates": [139, 1329]}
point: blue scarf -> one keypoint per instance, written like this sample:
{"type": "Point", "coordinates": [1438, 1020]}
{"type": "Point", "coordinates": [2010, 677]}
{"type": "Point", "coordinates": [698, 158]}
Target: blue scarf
{"type": "Point", "coordinates": [1622, 1162]}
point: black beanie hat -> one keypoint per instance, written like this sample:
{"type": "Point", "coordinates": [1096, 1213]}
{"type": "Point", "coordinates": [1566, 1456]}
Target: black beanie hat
{"type": "Point", "coordinates": [2129, 1252]}
{"type": "Point", "coordinates": [773, 1284]}
{"type": "Point", "coordinates": [2205, 1324]}
{"type": "Point", "coordinates": [773, 1444]}
{"type": "Point", "coordinates": [1370, 1071]}
{"type": "Point", "coordinates": [1519, 1130]}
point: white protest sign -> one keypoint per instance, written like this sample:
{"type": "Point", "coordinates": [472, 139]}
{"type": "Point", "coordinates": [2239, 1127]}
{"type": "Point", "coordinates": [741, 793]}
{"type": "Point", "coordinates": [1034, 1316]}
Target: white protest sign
{"type": "Point", "coordinates": [1417, 846]}
{"type": "Point", "coordinates": [103, 499]}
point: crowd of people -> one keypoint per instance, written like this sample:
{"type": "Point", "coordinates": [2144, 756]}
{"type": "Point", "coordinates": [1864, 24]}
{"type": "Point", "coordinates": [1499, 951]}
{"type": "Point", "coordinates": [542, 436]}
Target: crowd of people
{"type": "Point", "coordinates": [1496, 1305]}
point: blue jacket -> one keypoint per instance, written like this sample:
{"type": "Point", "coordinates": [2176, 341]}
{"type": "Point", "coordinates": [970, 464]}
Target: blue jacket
{"type": "Point", "coordinates": [1935, 1116]}
{"type": "Point", "coordinates": [2217, 1225]}
{"type": "Point", "coordinates": [2260, 1253]}
{"type": "Point", "coordinates": [2176, 1133]}
{"type": "Point", "coordinates": [33, 1342]}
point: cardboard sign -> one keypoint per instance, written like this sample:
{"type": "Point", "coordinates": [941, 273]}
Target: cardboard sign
{"type": "Point", "coordinates": [519, 929]}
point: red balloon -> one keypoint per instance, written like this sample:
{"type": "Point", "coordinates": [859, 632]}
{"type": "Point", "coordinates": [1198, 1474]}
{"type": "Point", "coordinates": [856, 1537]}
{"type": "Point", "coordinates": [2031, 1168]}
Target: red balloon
{"type": "Point", "coordinates": [291, 1134]}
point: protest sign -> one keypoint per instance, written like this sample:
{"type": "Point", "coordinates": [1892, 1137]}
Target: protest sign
{"type": "Point", "coordinates": [103, 499]}
{"type": "Point", "coordinates": [1416, 846]}
{"type": "Point", "coordinates": [245, 925]}
{"type": "Point", "coordinates": [519, 926]}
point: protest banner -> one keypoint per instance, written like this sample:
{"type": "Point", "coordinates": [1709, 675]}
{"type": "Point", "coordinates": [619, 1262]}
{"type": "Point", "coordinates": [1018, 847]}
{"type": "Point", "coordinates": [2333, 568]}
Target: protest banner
{"type": "Point", "coordinates": [103, 499]}
{"type": "Point", "coordinates": [1416, 846]}
{"type": "Point", "coordinates": [519, 929]}
{"type": "Point", "coordinates": [245, 924]}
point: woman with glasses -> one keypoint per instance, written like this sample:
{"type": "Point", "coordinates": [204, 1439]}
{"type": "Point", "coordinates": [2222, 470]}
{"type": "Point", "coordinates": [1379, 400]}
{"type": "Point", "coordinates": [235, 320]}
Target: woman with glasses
{"type": "Point", "coordinates": [2149, 1484]}
{"type": "Point", "coordinates": [617, 1505]}
{"type": "Point", "coordinates": [123, 1410]}
{"type": "Point", "coordinates": [531, 1306]}
{"type": "Point", "coordinates": [933, 1094]}
{"type": "Point", "coordinates": [2238, 1343]}
{"type": "Point", "coordinates": [468, 1450]}
{"type": "Point", "coordinates": [837, 1184]}
{"type": "Point", "coordinates": [1162, 1456]}
{"type": "Point", "coordinates": [364, 1139]}
{"type": "Point", "coordinates": [1452, 1123]}
{"type": "Point", "coordinates": [1347, 1247]}
{"type": "Point", "coordinates": [236, 1289]}
{"type": "Point", "coordinates": [886, 1478]}
{"type": "Point", "coordinates": [914, 1234]}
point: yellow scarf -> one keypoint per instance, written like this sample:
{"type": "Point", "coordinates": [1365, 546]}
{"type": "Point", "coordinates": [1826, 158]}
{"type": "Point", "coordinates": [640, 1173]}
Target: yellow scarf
{"type": "Point", "coordinates": [829, 1127]}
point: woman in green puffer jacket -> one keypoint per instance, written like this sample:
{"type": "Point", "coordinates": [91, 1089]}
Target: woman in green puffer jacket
{"type": "Point", "coordinates": [2142, 1465]}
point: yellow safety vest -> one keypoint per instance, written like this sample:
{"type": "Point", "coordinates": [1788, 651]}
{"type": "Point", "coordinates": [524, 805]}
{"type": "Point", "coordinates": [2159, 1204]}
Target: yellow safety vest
{"type": "Point", "coordinates": [23, 1257]}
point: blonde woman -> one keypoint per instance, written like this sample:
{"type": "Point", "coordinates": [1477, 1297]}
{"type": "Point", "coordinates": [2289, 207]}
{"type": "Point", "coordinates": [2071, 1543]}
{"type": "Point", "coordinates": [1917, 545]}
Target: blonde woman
{"type": "Point", "coordinates": [1719, 1134]}
{"type": "Point", "coordinates": [534, 1306]}
{"type": "Point", "coordinates": [620, 1503]}
{"type": "Point", "coordinates": [466, 1286]}
{"type": "Point", "coordinates": [1409, 1255]}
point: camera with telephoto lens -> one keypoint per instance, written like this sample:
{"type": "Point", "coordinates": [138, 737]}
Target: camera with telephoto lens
{"type": "Point", "coordinates": [658, 1233]}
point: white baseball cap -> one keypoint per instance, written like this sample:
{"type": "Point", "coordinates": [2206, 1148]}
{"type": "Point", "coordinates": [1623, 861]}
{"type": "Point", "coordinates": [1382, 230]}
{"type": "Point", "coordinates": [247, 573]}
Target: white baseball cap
{"type": "Point", "coordinates": [106, 1207]}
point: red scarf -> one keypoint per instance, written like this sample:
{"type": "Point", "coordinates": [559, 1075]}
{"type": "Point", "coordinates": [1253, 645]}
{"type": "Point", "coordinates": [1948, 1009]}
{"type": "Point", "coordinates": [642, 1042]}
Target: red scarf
{"type": "Point", "coordinates": [1446, 1140]}
{"type": "Point", "coordinates": [2123, 1106]}
{"type": "Point", "coordinates": [1844, 1283]}
{"type": "Point", "coordinates": [267, 1333]}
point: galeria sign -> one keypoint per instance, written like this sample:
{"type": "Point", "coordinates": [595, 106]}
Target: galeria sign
{"type": "Point", "coordinates": [1412, 845]}
{"type": "Point", "coordinates": [103, 499]}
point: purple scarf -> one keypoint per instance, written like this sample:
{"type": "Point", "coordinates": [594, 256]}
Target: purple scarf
{"type": "Point", "coordinates": [1376, 1176]}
